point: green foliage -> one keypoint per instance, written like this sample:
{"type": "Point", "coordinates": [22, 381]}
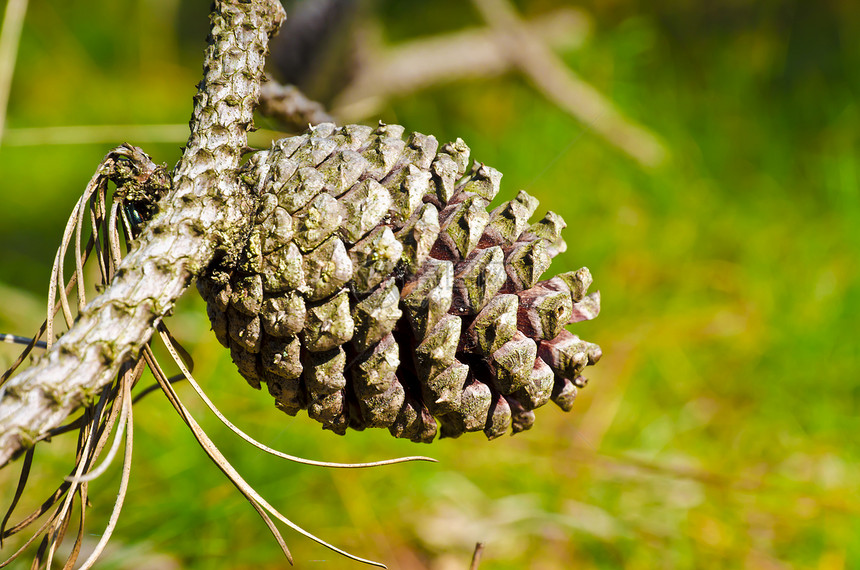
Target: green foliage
{"type": "Point", "coordinates": [719, 428]}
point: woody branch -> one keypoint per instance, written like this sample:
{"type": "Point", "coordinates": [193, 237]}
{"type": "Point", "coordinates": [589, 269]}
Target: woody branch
{"type": "Point", "coordinates": [201, 216]}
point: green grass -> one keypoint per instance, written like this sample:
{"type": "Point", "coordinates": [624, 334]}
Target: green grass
{"type": "Point", "coordinates": [719, 429]}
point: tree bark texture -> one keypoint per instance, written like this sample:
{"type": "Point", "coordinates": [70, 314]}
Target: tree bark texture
{"type": "Point", "coordinates": [205, 214]}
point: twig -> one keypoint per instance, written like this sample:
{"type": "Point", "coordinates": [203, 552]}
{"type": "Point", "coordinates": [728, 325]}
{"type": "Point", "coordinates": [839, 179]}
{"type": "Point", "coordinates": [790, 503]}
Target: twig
{"type": "Point", "coordinates": [289, 105]}
{"type": "Point", "coordinates": [422, 63]}
{"type": "Point", "coordinates": [562, 86]}
{"type": "Point", "coordinates": [95, 134]}
{"type": "Point", "coordinates": [112, 134]}
{"type": "Point", "coordinates": [15, 339]}
{"type": "Point", "coordinates": [476, 556]}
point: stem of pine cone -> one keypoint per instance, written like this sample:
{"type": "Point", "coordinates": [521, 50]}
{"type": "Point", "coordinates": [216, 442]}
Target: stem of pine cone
{"type": "Point", "coordinates": [202, 215]}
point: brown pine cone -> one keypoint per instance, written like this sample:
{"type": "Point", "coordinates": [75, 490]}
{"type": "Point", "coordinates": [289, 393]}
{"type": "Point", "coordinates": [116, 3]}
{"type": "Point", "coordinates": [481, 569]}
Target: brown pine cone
{"type": "Point", "coordinates": [375, 289]}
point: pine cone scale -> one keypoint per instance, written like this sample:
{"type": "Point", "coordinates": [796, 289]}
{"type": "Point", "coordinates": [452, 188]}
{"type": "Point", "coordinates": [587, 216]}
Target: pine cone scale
{"type": "Point", "coordinates": [376, 290]}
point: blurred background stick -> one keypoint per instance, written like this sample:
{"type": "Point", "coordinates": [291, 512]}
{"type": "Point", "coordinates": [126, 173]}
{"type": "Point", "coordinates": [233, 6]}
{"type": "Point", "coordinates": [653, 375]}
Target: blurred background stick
{"type": "Point", "coordinates": [395, 71]}
{"type": "Point", "coordinates": [562, 86]}
{"type": "Point", "coordinates": [289, 105]}
{"type": "Point", "coordinates": [476, 556]}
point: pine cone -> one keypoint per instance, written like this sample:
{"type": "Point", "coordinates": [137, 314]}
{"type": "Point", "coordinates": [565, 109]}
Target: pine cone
{"type": "Point", "coordinates": [375, 289]}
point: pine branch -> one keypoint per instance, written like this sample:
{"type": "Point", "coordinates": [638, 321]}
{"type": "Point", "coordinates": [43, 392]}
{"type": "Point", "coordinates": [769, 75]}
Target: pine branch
{"type": "Point", "coordinates": [202, 216]}
{"type": "Point", "coordinates": [289, 105]}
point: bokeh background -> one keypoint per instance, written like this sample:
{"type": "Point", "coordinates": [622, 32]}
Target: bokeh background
{"type": "Point", "coordinates": [720, 430]}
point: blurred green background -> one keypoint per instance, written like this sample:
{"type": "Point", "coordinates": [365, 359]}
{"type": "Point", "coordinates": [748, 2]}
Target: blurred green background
{"type": "Point", "coordinates": [720, 429]}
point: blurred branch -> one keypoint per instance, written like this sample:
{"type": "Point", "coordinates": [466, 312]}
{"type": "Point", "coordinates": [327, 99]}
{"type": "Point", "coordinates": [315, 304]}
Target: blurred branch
{"type": "Point", "coordinates": [419, 64]}
{"type": "Point", "coordinates": [289, 105]}
{"type": "Point", "coordinates": [476, 556]}
{"type": "Point", "coordinates": [95, 134]}
{"type": "Point", "coordinates": [560, 85]}
{"type": "Point", "coordinates": [113, 134]}
{"type": "Point", "coordinates": [508, 44]}
{"type": "Point", "coordinates": [13, 21]}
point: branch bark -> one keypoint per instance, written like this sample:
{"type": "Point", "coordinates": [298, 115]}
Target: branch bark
{"type": "Point", "coordinates": [289, 105]}
{"type": "Point", "coordinates": [205, 213]}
